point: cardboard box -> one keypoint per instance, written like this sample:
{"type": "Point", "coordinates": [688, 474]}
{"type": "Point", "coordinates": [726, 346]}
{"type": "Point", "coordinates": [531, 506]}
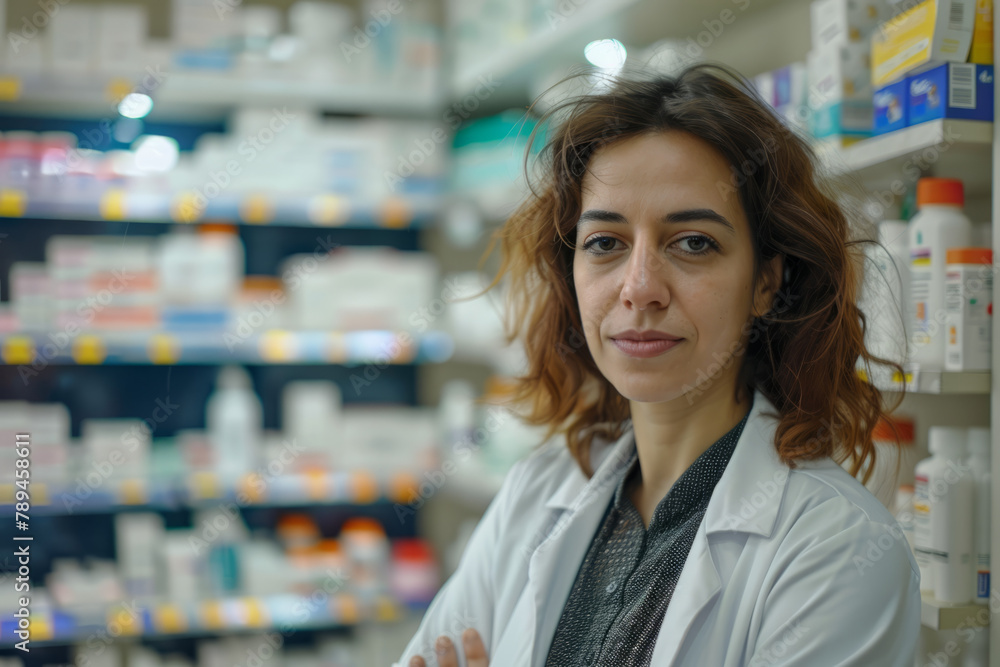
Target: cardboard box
{"type": "Point", "coordinates": [123, 31]}
{"type": "Point", "coordinates": [892, 105]}
{"type": "Point", "coordinates": [764, 83]}
{"type": "Point", "coordinates": [73, 39]}
{"type": "Point", "coordinates": [840, 92]}
{"type": "Point", "coordinates": [789, 85]}
{"type": "Point", "coordinates": [981, 51]}
{"type": "Point", "coordinates": [837, 22]}
{"type": "Point", "coordinates": [951, 90]}
{"type": "Point", "coordinates": [933, 31]}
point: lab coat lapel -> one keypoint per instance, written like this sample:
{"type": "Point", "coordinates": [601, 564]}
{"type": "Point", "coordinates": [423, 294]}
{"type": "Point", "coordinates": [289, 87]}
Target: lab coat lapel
{"type": "Point", "coordinates": [698, 584]}
{"type": "Point", "coordinates": [746, 499]}
{"type": "Point", "coordinates": [576, 509]}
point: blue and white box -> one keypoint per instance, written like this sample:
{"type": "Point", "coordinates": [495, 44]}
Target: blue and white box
{"type": "Point", "coordinates": [892, 105]}
{"type": "Point", "coordinates": [952, 90]}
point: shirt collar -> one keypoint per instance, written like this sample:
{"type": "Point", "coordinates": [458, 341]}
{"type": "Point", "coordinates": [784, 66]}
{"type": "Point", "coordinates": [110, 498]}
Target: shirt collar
{"type": "Point", "coordinates": [747, 497]}
{"type": "Point", "coordinates": [695, 485]}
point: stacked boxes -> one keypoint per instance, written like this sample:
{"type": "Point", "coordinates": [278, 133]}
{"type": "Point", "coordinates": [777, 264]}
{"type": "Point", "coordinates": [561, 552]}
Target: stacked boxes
{"type": "Point", "coordinates": [932, 32]}
{"type": "Point", "coordinates": [839, 68]}
{"type": "Point", "coordinates": [920, 68]}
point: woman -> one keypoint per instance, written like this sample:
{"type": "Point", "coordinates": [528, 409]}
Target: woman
{"type": "Point", "coordinates": [699, 512]}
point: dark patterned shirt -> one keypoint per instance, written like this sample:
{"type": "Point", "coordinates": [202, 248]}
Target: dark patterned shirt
{"type": "Point", "coordinates": [615, 609]}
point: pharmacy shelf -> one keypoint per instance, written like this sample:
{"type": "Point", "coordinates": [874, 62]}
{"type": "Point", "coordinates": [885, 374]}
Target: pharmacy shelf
{"type": "Point", "coordinates": [894, 161]}
{"type": "Point", "coordinates": [507, 76]}
{"type": "Point", "coordinates": [939, 382]}
{"type": "Point", "coordinates": [205, 489]}
{"type": "Point", "coordinates": [943, 616]}
{"type": "Point", "coordinates": [197, 95]}
{"type": "Point", "coordinates": [474, 491]}
{"type": "Point", "coordinates": [34, 351]}
{"type": "Point", "coordinates": [286, 613]}
{"type": "Point", "coordinates": [325, 210]}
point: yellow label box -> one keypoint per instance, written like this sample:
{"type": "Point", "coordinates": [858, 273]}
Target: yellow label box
{"type": "Point", "coordinates": [933, 31]}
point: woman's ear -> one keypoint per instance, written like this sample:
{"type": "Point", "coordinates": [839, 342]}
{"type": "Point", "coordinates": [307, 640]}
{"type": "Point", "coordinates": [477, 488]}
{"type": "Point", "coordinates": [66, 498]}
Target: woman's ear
{"type": "Point", "coordinates": [768, 285]}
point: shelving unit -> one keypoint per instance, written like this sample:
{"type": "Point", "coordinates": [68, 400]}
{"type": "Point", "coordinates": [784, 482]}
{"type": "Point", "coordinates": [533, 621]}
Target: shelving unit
{"type": "Point", "coordinates": [289, 613]}
{"type": "Point", "coordinates": [189, 95]}
{"type": "Point", "coordinates": [572, 24]}
{"type": "Point", "coordinates": [348, 348]}
{"type": "Point", "coordinates": [967, 150]}
{"type": "Point", "coordinates": [940, 616]}
{"type": "Point", "coordinates": [940, 382]}
{"type": "Point", "coordinates": [319, 211]}
{"type": "Point", "coordinates": [205, 489]}
{"type": "Point", "coordinates": [959, 148]}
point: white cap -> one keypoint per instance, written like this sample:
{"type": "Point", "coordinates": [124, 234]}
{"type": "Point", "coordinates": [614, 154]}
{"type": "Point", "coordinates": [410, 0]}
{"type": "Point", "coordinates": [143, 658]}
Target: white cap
{"type": "Point", "coordinates": [979, 441]}
{"type": "Point", "coordinates": [233, 377]}
{"type": "Point", "coordinates": [947, 441]}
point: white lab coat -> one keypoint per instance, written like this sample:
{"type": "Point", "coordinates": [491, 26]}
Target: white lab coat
{"type": "Point", "coordinates": [789, 567]}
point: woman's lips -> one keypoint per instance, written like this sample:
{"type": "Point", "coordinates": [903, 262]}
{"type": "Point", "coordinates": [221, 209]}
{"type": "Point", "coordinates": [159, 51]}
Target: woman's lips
{"type": "Point", "coordinates": [643, 349]}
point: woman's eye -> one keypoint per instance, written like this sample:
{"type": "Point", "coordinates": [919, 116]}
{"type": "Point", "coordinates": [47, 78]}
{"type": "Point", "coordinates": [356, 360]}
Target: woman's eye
{"type": "Point", "coordinates": [696, 245]}
{"type": "Point", "coordinates": [699, 245]}
{"type": "Point", "coordinates": [604, 244]}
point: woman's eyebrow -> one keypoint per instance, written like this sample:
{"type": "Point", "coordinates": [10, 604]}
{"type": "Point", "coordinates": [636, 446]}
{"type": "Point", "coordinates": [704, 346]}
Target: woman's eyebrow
{"type": "Point", "coordinates": [688, 215]}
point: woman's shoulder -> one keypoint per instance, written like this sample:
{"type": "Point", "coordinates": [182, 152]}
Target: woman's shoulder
{"type": "Point", "coordinates": [827, 505]}
{"type": "Point", "coordinates": [546, 468]}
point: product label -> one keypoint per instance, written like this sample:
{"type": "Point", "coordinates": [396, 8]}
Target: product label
{"type": "Point", "coordinates": [983, 577]}
{"type": "Point", "coordinates": [921, 515]}
{"type": "Point", "coordinates": [920, 292]}
{"type": "Point", "coordinates": [962, 86]}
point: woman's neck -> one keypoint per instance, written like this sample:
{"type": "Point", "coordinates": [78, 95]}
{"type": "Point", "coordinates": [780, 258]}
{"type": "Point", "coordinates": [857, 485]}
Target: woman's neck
{"type": "Point", "coordinates": [670, 436]}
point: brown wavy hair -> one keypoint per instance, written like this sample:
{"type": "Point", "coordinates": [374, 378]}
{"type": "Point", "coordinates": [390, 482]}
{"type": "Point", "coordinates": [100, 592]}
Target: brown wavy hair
{"type": "Point", "coordinates": [802, 355]}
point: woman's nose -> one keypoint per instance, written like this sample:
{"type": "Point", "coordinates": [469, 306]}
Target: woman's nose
{"type": "Point", "coordinates": [644, 286]}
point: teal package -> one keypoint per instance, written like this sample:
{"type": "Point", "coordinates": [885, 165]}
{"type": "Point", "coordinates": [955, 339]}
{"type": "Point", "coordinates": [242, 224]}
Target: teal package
{"type": "Point", "coordinates": [952, 90]}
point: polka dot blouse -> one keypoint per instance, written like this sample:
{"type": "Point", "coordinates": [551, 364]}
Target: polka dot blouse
{"type": "Point", "coordinates": [614, 611]}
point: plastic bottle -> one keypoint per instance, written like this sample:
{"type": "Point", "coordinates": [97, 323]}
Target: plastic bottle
{"type": "Point", "coordinates": [951, 491]}
{"type": "Point", "coordinates": [884, 482]}
{"type": "Point", "coordinates": [235, 424]}
{"type": "Point", "coordinates": [938, 225]}
{"type": "Point", "coordinates": [969, 305]}
{"type": "Point", "coordinates": [903, 511]}
{"type": "Point", "coordinates": [885, 298]}
{"type": "Point", "coordinates": [922, 519]}
{"type": "Point", "coordinates": [979, 461]}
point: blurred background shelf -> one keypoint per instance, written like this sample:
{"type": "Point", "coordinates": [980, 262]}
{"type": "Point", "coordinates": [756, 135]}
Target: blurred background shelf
{"type": "Point", "coordinates": [289, 613]}
{"type": "Point", "coordinates": [959, 148]}
{"type": "Point", "coordinates": [321, 210]}
{"type": "Point", "coordinates": [940, 382]}
{"type": "Point", "coordinates": [202, 96]}
{"type": "Point", "coordinates": [942, 616]}
{"type": "Point", "coordinates": [358, 189]}
{"type": "Point", "coordinates": [205, 489]}
{"type": "Point", "coordinates": [227, 346]}
{"type": "Point", "coordinates": [508, 76]}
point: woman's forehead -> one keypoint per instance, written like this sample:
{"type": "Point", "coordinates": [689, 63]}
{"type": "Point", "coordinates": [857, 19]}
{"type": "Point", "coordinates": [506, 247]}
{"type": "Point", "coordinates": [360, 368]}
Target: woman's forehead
{"type": "Point", "coordinates": [672, 169]}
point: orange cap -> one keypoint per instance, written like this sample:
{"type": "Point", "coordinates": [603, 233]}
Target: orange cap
{"type": "Point", "coordinates": [940, 191]}
{"type": "Point", "coordinates": [329, 545]}
{"type": "Point", "coordinates": [883, 430]}
{"type": "Point", "coordinates": [217, 228]}
{"type": "Point", "coordinates": [262, 283]}
{"type": "Point", "coordinates": [969, 256]}
{"type": "Point", "coordinates": [362, 523]}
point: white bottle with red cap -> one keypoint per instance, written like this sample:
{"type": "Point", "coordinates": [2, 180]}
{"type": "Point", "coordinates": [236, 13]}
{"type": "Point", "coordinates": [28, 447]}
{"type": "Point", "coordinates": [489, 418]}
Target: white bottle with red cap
{"type": "Point", "coordinates": [938, 225]}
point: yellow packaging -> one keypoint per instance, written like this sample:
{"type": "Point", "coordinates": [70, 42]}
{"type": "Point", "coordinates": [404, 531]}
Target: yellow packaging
{"type": "Point", "coordinates": [934, 31]}
{"type": "Point", "coordinates": [981, 52]}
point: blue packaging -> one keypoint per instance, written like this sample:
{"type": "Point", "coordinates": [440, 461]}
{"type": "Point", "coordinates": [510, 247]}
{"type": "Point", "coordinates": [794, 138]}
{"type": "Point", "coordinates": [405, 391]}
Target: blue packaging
{"type": "Point", "coordinates": [892, 104]}
{"type": "Point", "coordinates": [952, 90]}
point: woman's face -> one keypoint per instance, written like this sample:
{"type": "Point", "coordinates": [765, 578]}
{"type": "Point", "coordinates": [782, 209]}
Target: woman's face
{"type": "Point", "coordinates": [663, 244]}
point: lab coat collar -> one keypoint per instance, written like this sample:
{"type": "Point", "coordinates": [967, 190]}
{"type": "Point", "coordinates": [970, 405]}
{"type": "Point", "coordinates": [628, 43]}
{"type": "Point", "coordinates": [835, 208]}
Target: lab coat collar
{"type": "Point", "coordinates": [747, 497]}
